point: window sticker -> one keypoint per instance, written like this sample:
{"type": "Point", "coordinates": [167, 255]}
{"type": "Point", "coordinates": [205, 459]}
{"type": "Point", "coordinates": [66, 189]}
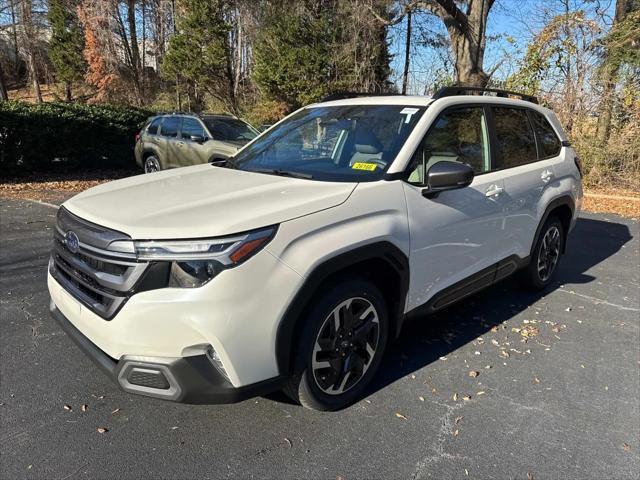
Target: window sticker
{"type": "Point", "coordinates": [409, 112]}
{"type": "Point", "coordinates": [369, 167]}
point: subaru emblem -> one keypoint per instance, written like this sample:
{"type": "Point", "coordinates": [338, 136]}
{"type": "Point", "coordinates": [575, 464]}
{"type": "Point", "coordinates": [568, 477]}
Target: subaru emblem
{"type": "Point", "coordinates": [72, 242]}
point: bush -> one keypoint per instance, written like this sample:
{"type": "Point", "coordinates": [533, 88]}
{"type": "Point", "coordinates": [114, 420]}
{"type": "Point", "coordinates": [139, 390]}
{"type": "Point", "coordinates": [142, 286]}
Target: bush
{"type": "Point", "coordinates": [67, 135]}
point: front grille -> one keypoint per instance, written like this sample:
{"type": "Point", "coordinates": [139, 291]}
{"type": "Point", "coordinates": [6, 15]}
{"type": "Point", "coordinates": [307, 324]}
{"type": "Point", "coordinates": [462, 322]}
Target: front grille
{"type": "Point", "coordinates": [101, 280]}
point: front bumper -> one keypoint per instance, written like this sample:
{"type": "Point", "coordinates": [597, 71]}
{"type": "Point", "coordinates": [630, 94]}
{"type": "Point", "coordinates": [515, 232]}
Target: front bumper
{"type": "Point", "coordinates": [192, 379]}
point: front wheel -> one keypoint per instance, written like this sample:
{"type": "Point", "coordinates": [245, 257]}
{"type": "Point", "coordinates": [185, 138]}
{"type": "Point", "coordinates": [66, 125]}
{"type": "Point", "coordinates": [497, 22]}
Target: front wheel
{"type": "Point", "coordinates": [344, 335]}
{"type": "Point", "coordinates": [546, 255]}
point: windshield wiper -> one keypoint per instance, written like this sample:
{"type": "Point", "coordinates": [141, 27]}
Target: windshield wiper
{"type": "Point", "coordinates": [282, 173]}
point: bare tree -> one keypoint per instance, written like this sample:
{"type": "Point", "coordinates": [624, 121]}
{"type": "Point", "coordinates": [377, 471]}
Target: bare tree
{"type": "Point", "coordinates": [28, 41]}
{"type": "Point", "coordinates": [610, 68]}
{"type": "Point", "coordinates": [4, 96]}
{"type": "Point", "coordinates": [467, 32]}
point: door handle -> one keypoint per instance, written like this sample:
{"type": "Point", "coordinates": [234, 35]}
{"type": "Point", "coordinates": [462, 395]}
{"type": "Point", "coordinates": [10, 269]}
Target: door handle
{"type": "Point", "coordinates": [180, 144]}
{"type": "Point", "coordinates": [493, 191]}
{"type": "Point", "coordinates": [546, 176]}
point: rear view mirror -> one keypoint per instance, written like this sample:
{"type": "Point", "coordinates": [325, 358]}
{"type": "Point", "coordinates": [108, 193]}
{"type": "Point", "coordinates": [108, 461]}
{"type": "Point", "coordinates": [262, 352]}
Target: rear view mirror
{"type": "Point", "coordinates": [447, 175]}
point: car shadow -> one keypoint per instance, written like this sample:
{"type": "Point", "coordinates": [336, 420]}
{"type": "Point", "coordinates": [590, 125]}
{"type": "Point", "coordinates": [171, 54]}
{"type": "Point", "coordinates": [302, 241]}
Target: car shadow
{"type": "Point", "coordinates": [425, 339]}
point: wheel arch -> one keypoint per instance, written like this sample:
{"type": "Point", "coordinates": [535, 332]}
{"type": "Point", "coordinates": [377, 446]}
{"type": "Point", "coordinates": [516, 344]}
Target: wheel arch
{"type": "Point", "coordinates": [562, 207]}
{"type": "Point", "coordinates": [383, 263]}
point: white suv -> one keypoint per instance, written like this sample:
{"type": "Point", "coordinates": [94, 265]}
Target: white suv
{"type": "Point", "coordinates": [292, 268]}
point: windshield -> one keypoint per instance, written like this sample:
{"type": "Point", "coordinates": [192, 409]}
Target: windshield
{"type": "Point", "coordinates": [343, 143]}
{"type": "Point", "coordinates": [230, 130]}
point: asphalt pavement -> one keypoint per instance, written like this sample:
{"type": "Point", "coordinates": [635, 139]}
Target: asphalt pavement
{"type": "Point", "coordinates": [507, 384]}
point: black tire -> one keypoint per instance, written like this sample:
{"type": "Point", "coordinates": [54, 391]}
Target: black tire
{"type": "Point", "coordinates": [545, 257]}
{"type": "Point", "coordinates": [151, 164]}
{"type": "Point", "coordinates": [305, 386]}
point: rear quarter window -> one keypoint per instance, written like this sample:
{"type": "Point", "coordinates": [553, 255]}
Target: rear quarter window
{"type": "Point", "coordinates": [548, 141]}
{"type": "Point", "coordinates": [153, 126]}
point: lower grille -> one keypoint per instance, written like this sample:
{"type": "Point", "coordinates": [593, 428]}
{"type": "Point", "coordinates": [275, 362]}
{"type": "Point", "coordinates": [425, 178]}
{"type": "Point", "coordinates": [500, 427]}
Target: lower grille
{"type": "Point", "coordinates": [101, 280]}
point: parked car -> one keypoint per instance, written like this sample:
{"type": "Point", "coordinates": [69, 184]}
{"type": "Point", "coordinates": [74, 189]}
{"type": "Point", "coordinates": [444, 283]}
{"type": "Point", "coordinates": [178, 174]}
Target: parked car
{"type": "Point", "coordinates": [178, 140]}
{"type": "Point", "coordinates": [293, 267]}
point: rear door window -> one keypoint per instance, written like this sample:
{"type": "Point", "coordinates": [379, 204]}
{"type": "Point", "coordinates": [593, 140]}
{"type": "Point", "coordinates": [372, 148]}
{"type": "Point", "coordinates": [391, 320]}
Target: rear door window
{"type": "Point", "coordinates": [548, 141]}
{"type": "Point", "coordinates": [191, 126]}
{"type": "Point", "coordinates": [170, 126]}
{"type": "Point", "coordinates": [516, 144]}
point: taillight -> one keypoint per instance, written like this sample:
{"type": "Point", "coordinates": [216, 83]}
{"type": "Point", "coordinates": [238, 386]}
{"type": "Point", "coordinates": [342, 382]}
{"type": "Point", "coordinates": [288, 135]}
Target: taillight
{"type": "Point", "coordinates": [578, 163]}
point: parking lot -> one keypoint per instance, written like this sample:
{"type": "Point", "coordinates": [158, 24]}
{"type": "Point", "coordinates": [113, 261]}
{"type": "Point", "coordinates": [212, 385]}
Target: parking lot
{"type": "Point", "coordinates": [508, 384]}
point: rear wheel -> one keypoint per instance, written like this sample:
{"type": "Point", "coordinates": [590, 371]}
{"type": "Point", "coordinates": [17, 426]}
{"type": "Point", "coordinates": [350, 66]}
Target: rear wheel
{"type": "Point", "coordinates": [341, 346]}
{"type": "Point", "coordinates": [546, 255]}
{"type": "Point", "coordinates": [152, 164]}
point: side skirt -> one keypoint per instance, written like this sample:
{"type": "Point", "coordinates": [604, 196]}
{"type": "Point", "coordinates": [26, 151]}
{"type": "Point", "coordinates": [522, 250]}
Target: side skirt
{"type": "Point", "coordinates": [470, 285]}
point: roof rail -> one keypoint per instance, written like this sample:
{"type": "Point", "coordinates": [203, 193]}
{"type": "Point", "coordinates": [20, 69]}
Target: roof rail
{"type": "Point", "coordinates": [343, 95]}
{"type": "Point", "coordinates": [453, 91]}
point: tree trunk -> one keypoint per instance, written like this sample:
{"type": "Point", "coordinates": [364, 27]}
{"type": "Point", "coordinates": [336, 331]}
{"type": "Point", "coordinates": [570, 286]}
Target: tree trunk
{"type": "Point", "coordinates": [133, 45]}
{"type": "Point", "coordinates": [67, 92]}
{"type": "Point", "coordinates": [467, 32]}
{"type": "Point", "coordinates": [4, 96]}
{"type": "Point", "coordinates": [407, 55]}
{"type": "Point", "coordinates": [29, 49]}
{"type": "Point", "coordinates": [609, 78]}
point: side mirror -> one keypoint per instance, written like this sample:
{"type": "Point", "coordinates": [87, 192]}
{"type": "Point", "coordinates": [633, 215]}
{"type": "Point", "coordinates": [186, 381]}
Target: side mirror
{"type": "Point", "coordinates": [197, 138]}
{"type": "Point", "coordinates": [447, 175]}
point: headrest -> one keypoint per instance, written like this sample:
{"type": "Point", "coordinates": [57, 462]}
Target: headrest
{"type": "Point", "coordinates": [369, 149]}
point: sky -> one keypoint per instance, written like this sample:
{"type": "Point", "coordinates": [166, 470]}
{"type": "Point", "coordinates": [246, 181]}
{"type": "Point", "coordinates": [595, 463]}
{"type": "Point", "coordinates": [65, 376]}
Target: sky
{"type": "Point", "coordinates": [511, 25]}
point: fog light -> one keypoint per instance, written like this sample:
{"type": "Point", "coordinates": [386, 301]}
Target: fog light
{"type": "Point", "coordinates": [215, 359]}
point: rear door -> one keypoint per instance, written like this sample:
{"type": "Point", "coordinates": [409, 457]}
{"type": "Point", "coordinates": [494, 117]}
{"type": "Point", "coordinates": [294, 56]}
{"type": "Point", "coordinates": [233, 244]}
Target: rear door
{"type": "Point", "coordinates": [527, 167]}
{"type": "Point", "coordinates": [169, 148]}
{"type": "Point", "coordinates": [192, 152]}
{"type": "Point", "coordinates": [459, 233]}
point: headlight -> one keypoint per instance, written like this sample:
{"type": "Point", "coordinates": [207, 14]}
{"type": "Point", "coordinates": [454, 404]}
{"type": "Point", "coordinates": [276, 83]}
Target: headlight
{"type": "Point", "coordinates": [195, 262]}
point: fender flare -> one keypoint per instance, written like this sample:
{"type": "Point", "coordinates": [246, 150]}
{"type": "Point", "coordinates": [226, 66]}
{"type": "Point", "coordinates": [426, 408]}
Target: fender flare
{"type": "Point", "coordinates": [385, 251]}
{"type": "Point", "coordinates": [564, 200]}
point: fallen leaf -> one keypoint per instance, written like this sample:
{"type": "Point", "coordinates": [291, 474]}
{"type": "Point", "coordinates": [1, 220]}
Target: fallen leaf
{"type": "Point", "coordinates": [455, 433]}
{"type": "Point", "coordinates": [536, 379]}
{"type": "Point", "coordinates": [473, 373]}
{"type": "Point", "coordinates": [399, 415]}
{"type": "Point", "coordinates": [115, 411]}
{"type": "Point", "coordinates": [67, 407]}
{"type": "Point", "coordinates": [481, 392]}
{"type": "Point", "coordinates": [466, 398]}
{"type": "Point", "coordinates": [568, 309]}
{"type": "Point", "coordinates": [455, 397]}
{"type": "Point", "coordinates": [421, 399]}
{"type": "Point", "coordinates": [102, 430]}
{"type": "Point", "coordinates": [84, 407]}
{"type": "Point", "coordinates": [466, 472]}
{"type": "Point", "coordinates": [626, 447]}
{"type": "Point", "coordinates": [413, 376]}
{"type": "Point", "coordinates": [529, 331]}
{"type": "Point", "coordinates": [288, 442]}
{"type": "Point", "coordinates": [503, 354]}
{"type": "Point", "coordinates": [494, 329]}
{"type": "Point", "coordinates": [529, 476]}
{"type": "Point", "coordinates": [495, 342]}
{"type": "Point", "coordinates": [457, 420]}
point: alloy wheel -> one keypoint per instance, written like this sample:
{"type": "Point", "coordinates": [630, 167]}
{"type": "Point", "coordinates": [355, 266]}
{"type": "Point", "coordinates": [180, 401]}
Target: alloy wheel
{"type": "Point", "coordinates": [151, 165]}
{"type": "Point", "coordinates": [549, 253]}
{"type": "Point", "coordinates": [345, 345]}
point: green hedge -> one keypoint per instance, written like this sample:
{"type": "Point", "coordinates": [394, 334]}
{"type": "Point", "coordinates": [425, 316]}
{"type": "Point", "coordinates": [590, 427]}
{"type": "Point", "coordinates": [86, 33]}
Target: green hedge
{"type": "Point", "coordinates": [67, 135]}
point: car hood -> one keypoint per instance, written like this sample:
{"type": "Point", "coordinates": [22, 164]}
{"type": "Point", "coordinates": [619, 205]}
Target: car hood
{"type": "Point", "coordinates": [203, 201]}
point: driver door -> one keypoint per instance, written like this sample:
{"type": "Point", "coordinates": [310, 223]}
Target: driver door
{"type": "Point", "coordinates": [459, 232]}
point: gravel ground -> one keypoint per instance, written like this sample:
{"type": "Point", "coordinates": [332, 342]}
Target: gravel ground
{"type": "Point", "coordinates": [556, 393]}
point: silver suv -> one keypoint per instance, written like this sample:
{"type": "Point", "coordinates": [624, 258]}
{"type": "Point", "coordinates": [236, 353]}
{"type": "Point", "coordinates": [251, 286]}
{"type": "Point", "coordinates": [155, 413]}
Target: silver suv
{"type": "Point", "coordinates": [178, 140]}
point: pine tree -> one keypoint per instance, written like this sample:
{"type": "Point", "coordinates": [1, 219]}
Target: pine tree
{"type": "Point", "coordinates": [66, 44]}
{"type": "Point", "coordinates": [199, 52]}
